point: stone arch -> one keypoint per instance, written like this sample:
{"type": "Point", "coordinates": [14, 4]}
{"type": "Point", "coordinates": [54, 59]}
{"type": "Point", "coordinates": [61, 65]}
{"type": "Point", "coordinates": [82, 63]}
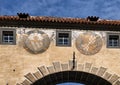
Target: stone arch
{"type": "Point", "coordinates": [86, 69]}
{"type": "Point", "coordinates": [71, 76]}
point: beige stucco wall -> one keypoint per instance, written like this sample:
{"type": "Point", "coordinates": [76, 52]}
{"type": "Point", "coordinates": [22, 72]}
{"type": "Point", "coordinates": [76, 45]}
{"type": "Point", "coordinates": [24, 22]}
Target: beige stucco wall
{"type": "Point", "coordinates": [16, 61]}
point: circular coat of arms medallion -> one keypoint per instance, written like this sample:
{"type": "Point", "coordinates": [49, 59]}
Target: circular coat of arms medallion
{"type": "Point", "coordinates": [36, 41]}
{"type": "Point", "coordinates": [89, 43]}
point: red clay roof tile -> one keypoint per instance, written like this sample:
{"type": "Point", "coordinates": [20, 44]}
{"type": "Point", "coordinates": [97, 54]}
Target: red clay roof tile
{"type": "Point", "coordinates": [63, 20]}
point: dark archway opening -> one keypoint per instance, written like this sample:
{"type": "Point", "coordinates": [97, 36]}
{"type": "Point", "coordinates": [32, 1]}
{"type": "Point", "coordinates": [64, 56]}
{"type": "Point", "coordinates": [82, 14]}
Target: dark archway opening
{"type": "Point", "coordinates": [72, 76]}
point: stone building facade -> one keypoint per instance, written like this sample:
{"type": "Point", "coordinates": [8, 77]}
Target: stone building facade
{"type": "Point", "coordinates": [49, 50]}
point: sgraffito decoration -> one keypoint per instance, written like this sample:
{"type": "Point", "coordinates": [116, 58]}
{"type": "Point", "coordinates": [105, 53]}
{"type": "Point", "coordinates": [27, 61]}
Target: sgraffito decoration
{"type": "Point", "coordinates": [36, 41]}
{"type": "Point", "coordinates": [89, 43]}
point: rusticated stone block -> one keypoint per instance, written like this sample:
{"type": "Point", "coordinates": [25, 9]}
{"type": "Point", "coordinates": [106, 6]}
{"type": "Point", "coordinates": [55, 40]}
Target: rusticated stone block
{"type": "Point", "coordinates": [43, 70]}
{"type": "Point", "coordinates": [38, 75]}
{"type": "Point", "coordinates": [64, 67]}
{"type": "Point", "coordinates": [72, 65]}
{"type": "Point", "coordinates": [80, 67]}
{"type": "Point", "coordinates": [30, 77]}
{"type": "Point", "coordinates": [26, 82]}
{"type": "Point", "coordinates": [51, 69]}
{"type": "Point", "coordinates": [94, 70]}
{"type": "Point", "coordinates": [88, 66]}
{"type": "Point", "coordinates": [101, 71]}
{"type": "Point", "coordinates": [57, 66]}
{"type": "Point", "coordinates": [114, 78]}
{"type": "Point", "coordinates": [107, 75]}
{"type": "Point", "coordinates": [117, 82]}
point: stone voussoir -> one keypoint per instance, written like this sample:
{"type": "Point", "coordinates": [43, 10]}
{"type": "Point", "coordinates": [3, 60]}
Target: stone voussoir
{"type": "Point", "coordinates": [117, 82]}
{"type": "Point", "coordinates": [80, 67]}
{"type": "Point", "coordinates": [64, 66]}
{"type": "Point", "coordinates": [30, 77]}
{"type": "Point", "coordinates": [51, 69]}
{"type": "Point", "coordinates": [101, 71]}
{"type": "Point", "coordinates": [94, 70]}
{"type": "Point", "coordinates": [57, 66]}
{"type": "Point", "coordinates": [26, 82]}
{"type": "Point", "coordinates": [43, 70]}
{"type": "Point", "coordinates": [114, 78]}
{"type": "Point", "coordinates": [38, 75]}
{"type": "Point", "coordinates": [88, 66]}
{"type": "Point", "coordinates": [107, 75]}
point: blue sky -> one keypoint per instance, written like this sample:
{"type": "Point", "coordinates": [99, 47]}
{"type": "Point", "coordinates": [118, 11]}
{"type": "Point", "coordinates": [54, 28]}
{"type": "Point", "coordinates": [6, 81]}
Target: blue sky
{"type": "Point", "coordinates": [105, 9]}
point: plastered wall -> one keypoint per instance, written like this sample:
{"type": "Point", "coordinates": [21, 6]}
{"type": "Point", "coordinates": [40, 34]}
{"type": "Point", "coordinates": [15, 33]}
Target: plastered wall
{"type": "Point", "coordinates": [16, 60]}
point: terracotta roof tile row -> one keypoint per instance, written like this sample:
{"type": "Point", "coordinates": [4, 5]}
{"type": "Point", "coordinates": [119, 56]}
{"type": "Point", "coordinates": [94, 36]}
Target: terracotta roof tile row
{"type": "Point", "coordinates": [61, 20]}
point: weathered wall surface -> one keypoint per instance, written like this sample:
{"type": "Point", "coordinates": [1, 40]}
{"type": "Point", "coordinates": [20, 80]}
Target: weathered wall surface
{"type": "Point", "coordinates": [16, 61]}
